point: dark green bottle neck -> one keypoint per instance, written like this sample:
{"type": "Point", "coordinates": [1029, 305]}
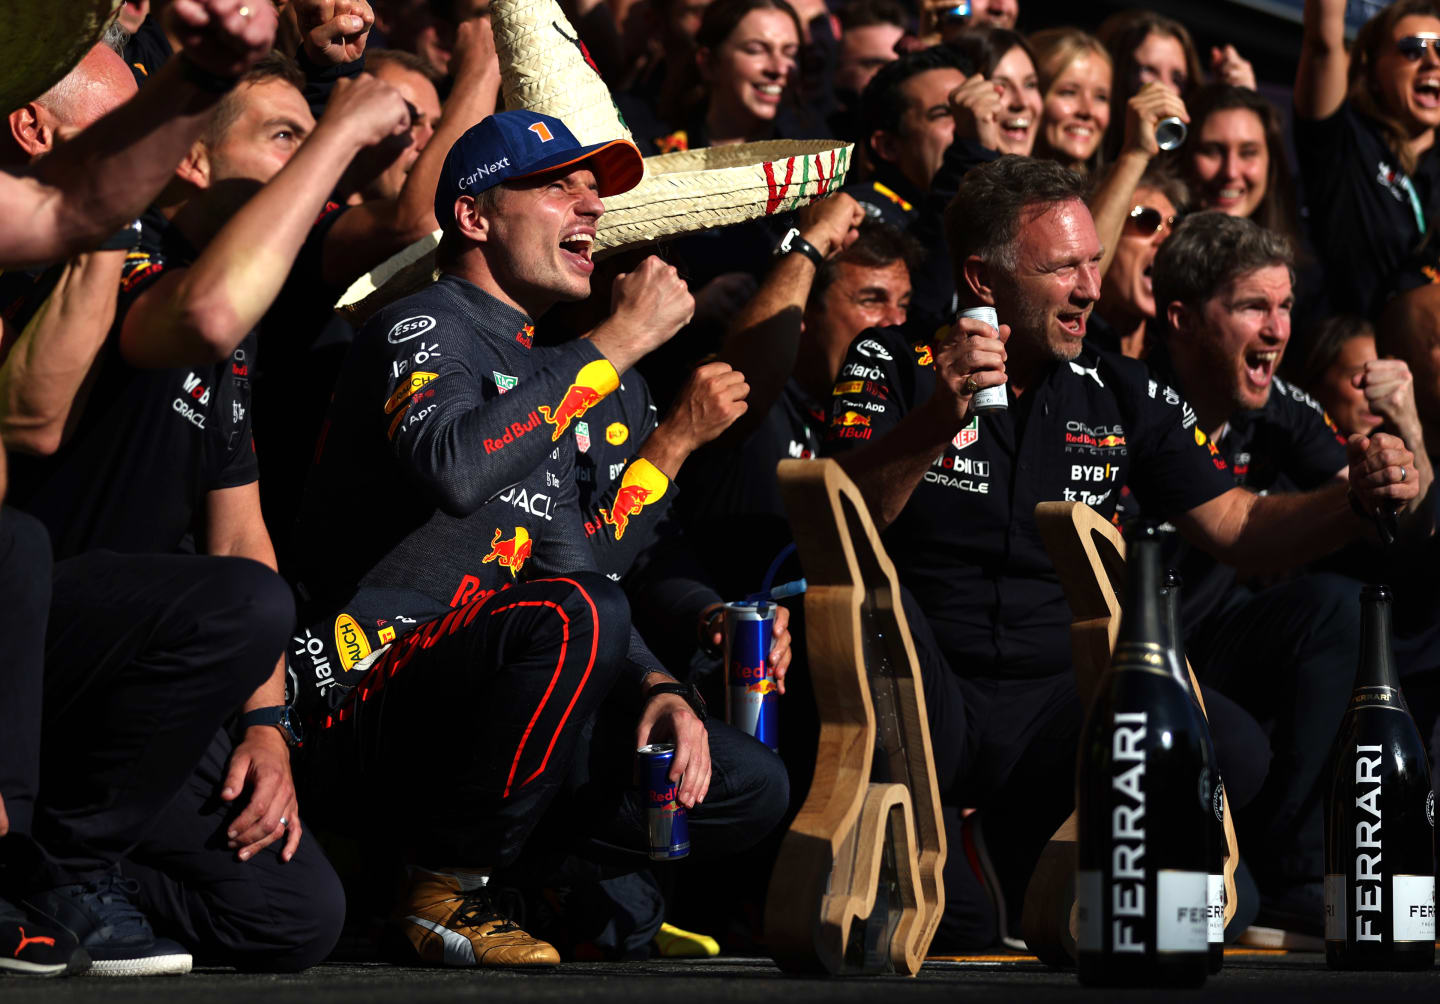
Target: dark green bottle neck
{"type": "Point", "coordinates": [1377, 662]}
{"type": "Point", "coordinates": [1142, 620]}
{"type": "Point", "coordinates": [1170, 605]}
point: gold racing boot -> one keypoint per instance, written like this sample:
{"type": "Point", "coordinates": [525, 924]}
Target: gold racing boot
{"type": "Point", "coordinates": [448, 919]}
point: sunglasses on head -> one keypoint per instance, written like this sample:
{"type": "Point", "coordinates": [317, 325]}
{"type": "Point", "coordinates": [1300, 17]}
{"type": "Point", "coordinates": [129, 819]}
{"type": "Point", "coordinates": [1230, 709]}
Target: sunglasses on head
{"type": "Point", "coordinates": [1413, 47]}
{"type": "Point", "coordinates": [1147, 222]}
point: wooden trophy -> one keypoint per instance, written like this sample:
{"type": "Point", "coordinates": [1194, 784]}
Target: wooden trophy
{"type": "Point", "coordinates": [857, 885]}
{"type": "Point", "coordinates": [1089, 555]}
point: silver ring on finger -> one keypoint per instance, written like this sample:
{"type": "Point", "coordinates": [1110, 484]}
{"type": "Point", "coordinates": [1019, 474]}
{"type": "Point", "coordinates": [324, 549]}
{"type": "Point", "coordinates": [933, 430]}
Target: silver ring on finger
{"type": "Point", "coordinates": [1404, 473]}
{"type": "Point", "coordinates": [284, 822]}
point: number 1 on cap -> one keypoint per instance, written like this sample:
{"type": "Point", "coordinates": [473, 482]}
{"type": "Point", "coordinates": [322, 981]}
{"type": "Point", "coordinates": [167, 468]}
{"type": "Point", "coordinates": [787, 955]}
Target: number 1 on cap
{"type": "Point", "coordinates": [542, 130]}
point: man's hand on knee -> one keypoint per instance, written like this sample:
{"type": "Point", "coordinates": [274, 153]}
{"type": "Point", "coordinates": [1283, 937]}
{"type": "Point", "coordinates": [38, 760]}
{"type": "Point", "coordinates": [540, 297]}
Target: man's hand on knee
{"type": "Point", "coordinates": [261, 764]}
{"type": "Point", "coordinates": [667, 718]}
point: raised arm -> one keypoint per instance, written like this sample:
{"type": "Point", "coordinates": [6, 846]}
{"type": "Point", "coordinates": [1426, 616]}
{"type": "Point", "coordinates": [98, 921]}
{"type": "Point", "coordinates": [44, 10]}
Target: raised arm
{"type": "Point", "coordinates": [765, 335]}
{"type": "Point", "coordinates": [1114, 196]}
{"type": "Point", "coordinates": [1320, 79]}
{"type": "Point", "coordinates": [374, 230]}
{"type": "Point", "coordinates": [74, 198]}
{"type": "Point", "coordinates": [46, 369]}
{"type": "Point", "coordinates": [888, 468]}
{"type": "Point", "coordinates": [199, 314]}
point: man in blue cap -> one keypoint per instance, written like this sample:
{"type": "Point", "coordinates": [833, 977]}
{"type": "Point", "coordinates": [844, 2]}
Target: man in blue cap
{"type": "Point", "coordinates": [465, 663]}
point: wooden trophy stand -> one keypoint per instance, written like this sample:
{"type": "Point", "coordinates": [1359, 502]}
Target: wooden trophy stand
{"type": "Point", "coordinates": [1089, 555]}
{"type": "Point", "coordinates": [857, 885]}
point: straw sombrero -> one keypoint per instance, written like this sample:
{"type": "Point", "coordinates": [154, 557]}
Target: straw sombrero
{"type": "Point", "coordinates": [51, 37]}
{"type": "Point", "coordinates": [544, 68]}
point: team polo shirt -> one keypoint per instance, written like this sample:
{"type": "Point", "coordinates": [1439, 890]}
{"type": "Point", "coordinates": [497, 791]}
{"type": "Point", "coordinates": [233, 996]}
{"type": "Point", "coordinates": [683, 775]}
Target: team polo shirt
{"type": "Point", "coordinates": [733, 511]}
{"type": "Point", "coordinates": [1365, 213]}
{"type": "Point", "coordinates": [1288, 445]}
{"type": "Point", "coordinates": [150, 443]}
{"type": "Point", "coordinates": [966, 543]}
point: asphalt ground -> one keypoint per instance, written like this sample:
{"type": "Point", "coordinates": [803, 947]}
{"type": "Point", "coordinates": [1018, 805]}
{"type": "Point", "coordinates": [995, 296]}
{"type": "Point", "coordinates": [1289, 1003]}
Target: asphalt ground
{"type": "Point", "coordinates": [1249, 975]}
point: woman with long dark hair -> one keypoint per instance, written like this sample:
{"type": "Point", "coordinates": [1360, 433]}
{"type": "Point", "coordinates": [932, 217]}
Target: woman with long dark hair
{"type": "Point", "coordinates": [1365, 134]}
{"type": "Point", "coordinates": [1234, 158]}
{"type": "Point", "coordinates": [741, 87]}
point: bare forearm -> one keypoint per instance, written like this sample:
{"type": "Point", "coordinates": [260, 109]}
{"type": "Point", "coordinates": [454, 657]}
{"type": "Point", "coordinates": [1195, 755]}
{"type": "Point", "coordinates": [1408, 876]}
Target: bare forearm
{"type": "Point", "coordinates": [887, 470]}
{"type": "Point", "coordinates": [241, 271]}
{"type": "Point", "coordinates": [1113, 198]}
{"type": "Point", "coordinates": [666, 449]}
{"type": "Point", "coordinates": [1284, 530]}
{"type": "Point", "coordinates": [471, 100]}
{"type": "Point", "coordinates": [765, 337]}
{"type": "Point", "coordinates": [47, 367]}
{"type": "Point", "coordinates": [109, 173]}
{"type": "Point", "coordinates": [1320, 78]}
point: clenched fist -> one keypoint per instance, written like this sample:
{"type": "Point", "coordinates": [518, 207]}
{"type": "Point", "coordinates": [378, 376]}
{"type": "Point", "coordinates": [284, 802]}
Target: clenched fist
{"type": "Point", "coordinates": [223, 37]}
{"type": "Point", "coordinates": [709, 403]}
{"type": "Point", "coordinates": [1382, 473]}
{"type": "Point", "coordinates": [653, 302]}
{"type": "Point", "coordinates": [831, 224]}
{"type": "Point", "coordinates": [335, 31]}
{"type": "Point", "coordinates": [368, 109]}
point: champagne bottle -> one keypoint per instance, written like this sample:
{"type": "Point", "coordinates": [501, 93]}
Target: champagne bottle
{"type": "Point", "coordinates": [1142, 794]}
{"type": "Point", "coordinates": [1379, 818]}
{"type": "Point", "coordinates": [1215, 819]}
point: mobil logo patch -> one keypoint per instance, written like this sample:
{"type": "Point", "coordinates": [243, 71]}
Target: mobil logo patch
{"type": "Point", "coordinates": [411, 327]}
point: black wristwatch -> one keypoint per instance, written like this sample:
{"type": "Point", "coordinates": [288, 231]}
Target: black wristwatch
{"type": "Point", "coordinates": [792, 242]}
{"type": "Point", "coordinates": [278, 716]}
{"type": "Point", "coordinates": [686, 690]}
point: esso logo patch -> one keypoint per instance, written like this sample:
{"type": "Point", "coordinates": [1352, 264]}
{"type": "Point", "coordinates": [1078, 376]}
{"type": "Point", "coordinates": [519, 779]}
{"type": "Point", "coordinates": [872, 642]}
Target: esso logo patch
{"type": "Point", "coordinates": [410, 328]}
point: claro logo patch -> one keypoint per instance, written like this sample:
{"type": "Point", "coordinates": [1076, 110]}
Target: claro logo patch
{"type": "Point", "coordinates": [410, 328]}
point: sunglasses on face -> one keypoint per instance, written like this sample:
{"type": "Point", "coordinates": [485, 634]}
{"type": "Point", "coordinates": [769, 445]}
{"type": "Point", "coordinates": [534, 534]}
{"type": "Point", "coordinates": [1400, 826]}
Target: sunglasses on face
{"type": "Point", "coordinates": [1413, 47]}
{"type": "Point", "coordinates": [1147, 222]}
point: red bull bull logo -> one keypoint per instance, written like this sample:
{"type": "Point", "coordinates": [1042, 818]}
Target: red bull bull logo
{"type": "Point", "coordinates": [641, 484]}
{"type": "Point", "coordinates": [853, 418]}
{"type": "Point", "coordinates": [593, 382]}
{"type": "Point", "coordinates": [512, 553]}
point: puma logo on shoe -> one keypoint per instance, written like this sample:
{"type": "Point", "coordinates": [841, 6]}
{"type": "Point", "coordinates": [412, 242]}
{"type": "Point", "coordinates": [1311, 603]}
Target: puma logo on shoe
{"type": "Point", "coordinates": [37, 940]}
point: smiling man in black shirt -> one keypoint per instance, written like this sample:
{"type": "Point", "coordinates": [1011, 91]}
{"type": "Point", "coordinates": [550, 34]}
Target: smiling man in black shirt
{"type": "Point", "coordinates": [956, 490]}
{"type": "Point", "coordinates": [1287, 652]}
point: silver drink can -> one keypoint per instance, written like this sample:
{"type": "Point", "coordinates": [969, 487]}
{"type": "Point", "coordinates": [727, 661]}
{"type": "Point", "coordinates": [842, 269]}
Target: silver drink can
{"type": "Point", "coordinates": [1170, 132]}
{"type": "Point", "coordinates": [987, 398]}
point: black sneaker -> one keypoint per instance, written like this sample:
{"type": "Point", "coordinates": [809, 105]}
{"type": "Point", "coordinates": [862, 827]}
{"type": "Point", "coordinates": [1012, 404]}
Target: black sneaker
{"type": "Point", "coordinates": [31, 945]}
{"type": "Point", "coordinates": [112, 931]}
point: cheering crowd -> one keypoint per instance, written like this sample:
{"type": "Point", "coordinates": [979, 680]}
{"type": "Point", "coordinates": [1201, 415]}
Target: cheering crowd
{"type": "Point", "coordinates": [433, 570]}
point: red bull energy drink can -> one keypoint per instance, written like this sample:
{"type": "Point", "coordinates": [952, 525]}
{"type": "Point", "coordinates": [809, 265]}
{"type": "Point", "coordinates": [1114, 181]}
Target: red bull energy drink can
{"type": "Point", "coordinates": [988, 398]}
{"type": "Point", "coordinates": [751, 694]}
{"type": "Point", "coordinates": [669, 829]}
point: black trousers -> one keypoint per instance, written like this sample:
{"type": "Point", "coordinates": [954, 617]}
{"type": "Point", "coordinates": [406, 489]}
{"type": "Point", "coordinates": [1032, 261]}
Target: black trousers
{"type": "Point", "coordinates": [1008, 747]}
{"type": "Point", "coordinates": [461, 737]}
{"type": "Point", "coordinates": [144, 657]}
{"type": "Point", "coordinates": [1287, 655]}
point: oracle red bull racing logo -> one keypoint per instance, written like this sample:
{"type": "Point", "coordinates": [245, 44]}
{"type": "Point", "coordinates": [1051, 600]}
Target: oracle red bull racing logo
{"type": "Point", "coordinates": [641, 484]}
{"type": "Point", "coordinates": [512, 553]}
{"type": "Point", "coordinates": [593, 382]}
